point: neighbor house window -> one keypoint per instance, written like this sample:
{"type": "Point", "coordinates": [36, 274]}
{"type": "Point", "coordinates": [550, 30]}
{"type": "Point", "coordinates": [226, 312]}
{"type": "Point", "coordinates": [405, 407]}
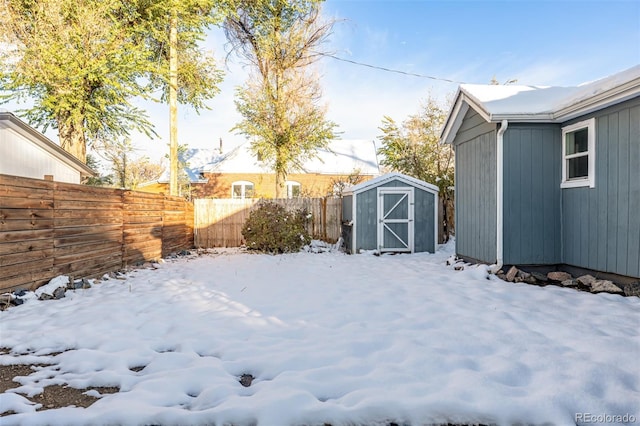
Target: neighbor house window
{"type": "Point", "coordinates": [293, 189]}
{"type": "Point", "coordinates": [242, 189]}
{"type": "Point", "coordinates": [579, 154]}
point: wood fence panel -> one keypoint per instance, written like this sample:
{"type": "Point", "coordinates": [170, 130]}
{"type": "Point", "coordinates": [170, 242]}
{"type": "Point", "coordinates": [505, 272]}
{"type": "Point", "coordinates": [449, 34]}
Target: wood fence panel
{"type": "Point", "coordinates": [79, 242]}
{"type": "Point", "coordinates": [176, 227]}
{"type": "Point", "coordinates": [142, 228]}
{"type": "Point", "coordinates": [53, 228]}
{"type": "Point", "coordinates": [219, 222]}
{"type": "Point", "coordinates": [333, 217]}
{"type": "Point", "coordinates": [26, 231]}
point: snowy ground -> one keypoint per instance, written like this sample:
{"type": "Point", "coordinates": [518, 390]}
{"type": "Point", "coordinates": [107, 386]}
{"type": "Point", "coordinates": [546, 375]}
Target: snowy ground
{"type": "Point", "coordinates": [329, 338]}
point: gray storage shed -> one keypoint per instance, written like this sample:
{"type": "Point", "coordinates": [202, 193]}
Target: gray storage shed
{"type": "Point", "coordinates": [390, 213]}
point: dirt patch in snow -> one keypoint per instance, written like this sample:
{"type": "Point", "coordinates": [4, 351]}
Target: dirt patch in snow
{"type": "Point", "coordinates": [53, 396]}
{"type": "Point", "coordinates": [9, 372]}
{"type": "Point", "coordinates": [65, 396]}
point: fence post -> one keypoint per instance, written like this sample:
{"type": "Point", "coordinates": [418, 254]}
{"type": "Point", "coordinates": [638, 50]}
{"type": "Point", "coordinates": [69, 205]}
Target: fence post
{"type": "Point", "coordinates": [324, 218]}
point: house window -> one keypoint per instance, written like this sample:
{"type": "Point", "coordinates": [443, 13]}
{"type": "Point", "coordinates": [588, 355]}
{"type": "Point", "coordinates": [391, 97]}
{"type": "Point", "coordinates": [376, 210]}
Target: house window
{"type": "Point", "coordinates": [242, 189]}
{"type": "Point", "coordinates": [293, 189]}
{"type": "Point", "coordinates": [579, 154]}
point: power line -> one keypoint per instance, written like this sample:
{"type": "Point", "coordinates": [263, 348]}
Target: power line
{"type": "Point", "coordinates": [362, 64]}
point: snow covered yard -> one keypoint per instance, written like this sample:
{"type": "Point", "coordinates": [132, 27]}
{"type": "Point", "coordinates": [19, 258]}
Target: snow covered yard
{"type": "Point", "coordinates": [328, 338]}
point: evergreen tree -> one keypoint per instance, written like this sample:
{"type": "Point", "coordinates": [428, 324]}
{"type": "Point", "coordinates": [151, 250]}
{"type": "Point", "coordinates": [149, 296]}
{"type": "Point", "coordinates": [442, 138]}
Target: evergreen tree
{"type": "Point", "coordinates": [414, 148]}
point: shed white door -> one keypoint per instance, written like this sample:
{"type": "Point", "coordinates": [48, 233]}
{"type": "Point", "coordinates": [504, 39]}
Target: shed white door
{"type": "Point", "coordinates": [395, 219]}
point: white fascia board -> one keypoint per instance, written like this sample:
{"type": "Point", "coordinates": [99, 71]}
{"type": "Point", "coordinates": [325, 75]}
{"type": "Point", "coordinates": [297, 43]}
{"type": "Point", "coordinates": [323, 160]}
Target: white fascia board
{"type": "Point", "coordinates": [449, 122]}
{"type": "Point", "coordinates": [452, 126]}
{"type": "Point", "coordinates": [464, 101]}
{"type": "Point", "coordinates": [523, 118]}
{"type": "Point", "coordinates": [477, 106]}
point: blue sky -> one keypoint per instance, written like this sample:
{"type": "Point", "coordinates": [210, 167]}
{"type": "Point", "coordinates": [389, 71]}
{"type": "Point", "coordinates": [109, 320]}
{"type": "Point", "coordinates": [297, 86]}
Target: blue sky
{"type": "Point", "coordinates": [536, 42]}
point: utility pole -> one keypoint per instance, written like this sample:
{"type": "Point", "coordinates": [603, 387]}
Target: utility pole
{"type": "Point", "coordinates": [173, 102]}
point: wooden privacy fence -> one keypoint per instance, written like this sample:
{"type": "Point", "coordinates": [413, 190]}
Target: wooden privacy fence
{"type": "Point", "coordinates": [218, 222]}
{"type": "Point", "coordinates": [50, 228]}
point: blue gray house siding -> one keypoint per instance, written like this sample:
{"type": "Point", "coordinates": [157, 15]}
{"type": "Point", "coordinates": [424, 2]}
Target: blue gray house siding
{"type": "Point", "coordinates": [601, 225]}
{"type": "Point", "coordinates": [532, 176]}
{"type": "Point", "coordinates": [475, 148]}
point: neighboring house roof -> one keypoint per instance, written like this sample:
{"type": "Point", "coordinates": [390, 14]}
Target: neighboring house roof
{"type": "Point", "coordinates": [342, 157]}
{"type": "Point", "coordinates": [9, 121]}
{"type": "Point", "coordinates": [380, 180]}
{"type": "Point", "coordinates": [540, 104]}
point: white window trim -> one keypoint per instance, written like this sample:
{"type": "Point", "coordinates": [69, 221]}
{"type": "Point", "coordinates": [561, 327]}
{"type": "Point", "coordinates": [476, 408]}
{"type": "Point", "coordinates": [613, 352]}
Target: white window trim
{"type": "Point", "coordinates": [243, 184]}
{"type": "Point", "coordinates": [290, 184]}
{"type": "Point", "coordinates": [590, 180]}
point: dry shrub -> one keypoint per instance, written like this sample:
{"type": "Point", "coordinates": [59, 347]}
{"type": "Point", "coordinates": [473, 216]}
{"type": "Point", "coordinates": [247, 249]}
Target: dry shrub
{"type": "Point", "coordinates": [272, 229]}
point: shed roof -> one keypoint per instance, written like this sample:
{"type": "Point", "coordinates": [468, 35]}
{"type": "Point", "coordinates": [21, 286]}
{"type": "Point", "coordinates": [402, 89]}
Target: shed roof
{"type": "Point", "coordinates": [10, 121]}
{"type": "Point", "coordinates": [538, 103]}
{"type": "Point", "coordinates": [380, 180]}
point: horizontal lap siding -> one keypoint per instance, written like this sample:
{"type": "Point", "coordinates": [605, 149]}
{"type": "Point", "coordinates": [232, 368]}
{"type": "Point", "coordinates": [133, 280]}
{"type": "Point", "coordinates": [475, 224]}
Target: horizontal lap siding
{"type": "Point", "coordinates": [21, 156]}
{"type": "Point", "coordinates": [532, 169]}
{"type": "Point", "coordinates": [26, 232]}
{"type": "Point", "coordinates": [475, 147]}
{"type": "Point", "coordinates": [87, 231]}
{"type": "Point", "coordinates": [51, 228]}
{"type": "Point", "coordinates": [601, 225]}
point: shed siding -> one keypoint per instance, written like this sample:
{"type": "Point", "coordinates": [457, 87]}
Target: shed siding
{"type": "Point", "coordinates": [532, 175]}
{"type": "Point", "coordinates": [476, 193]}
{"type": "Point", "coordinates": [394, 184]}
{"type": "Point", "coordinates": [21, 157]}
{"type": "Point", "coordinates": [366, 220]}
{"type": "Point", "coordinates": [601, 225]}
{"type": "Point", "coordinates": [424, 221]}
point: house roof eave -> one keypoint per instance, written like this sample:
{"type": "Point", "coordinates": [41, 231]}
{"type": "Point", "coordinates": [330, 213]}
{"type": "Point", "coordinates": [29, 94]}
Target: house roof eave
{"type": "Point", "coordinates": [464, 101]}
{"type": "Point", "coordinates": [613, 96]}
{"type": "Point", "coordinates": [46, 144]}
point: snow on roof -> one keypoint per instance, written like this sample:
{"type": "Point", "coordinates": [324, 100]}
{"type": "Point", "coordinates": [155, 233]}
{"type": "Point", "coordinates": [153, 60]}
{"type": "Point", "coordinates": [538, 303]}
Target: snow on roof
{"type": "Point", "coordinates": [539, 103]}
{"type": "Point", "coordinates": [238, 160]}
{"type": "Point", "coordinates": [528, 100]}
{"type": "Point", "coordinates": [342, 157]}
{"type": "Point", "coordinates": [515, 99]}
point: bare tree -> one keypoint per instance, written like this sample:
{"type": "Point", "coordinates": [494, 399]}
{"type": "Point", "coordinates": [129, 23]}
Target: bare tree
{"type": "Point", "coordinates": [280, 103]}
